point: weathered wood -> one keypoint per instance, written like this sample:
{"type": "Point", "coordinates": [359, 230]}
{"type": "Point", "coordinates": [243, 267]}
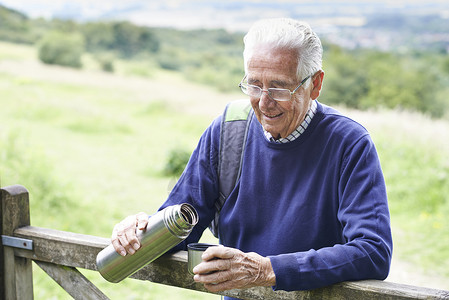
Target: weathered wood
{"type": "Point", "coordinates": [77, 250]}
{"type": "Point", "coordinates": [59, 253]}
{"type": "Point", "coordinates": [60, 247]}
{"type": "Point", "coordinates": [17, 271]}
{"type": "Point", "coordinates": [375, 289]}
{"type": "Point", "coordinates": [72, 281]}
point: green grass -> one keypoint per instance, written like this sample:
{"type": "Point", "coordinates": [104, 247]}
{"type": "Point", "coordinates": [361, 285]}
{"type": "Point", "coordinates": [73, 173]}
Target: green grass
{"type": "Point", "coordinates": [415, 161]}
{"type": "Point", "coordinates": [91, 148]}
{"type": "Point", "coordinates": [91, 153]}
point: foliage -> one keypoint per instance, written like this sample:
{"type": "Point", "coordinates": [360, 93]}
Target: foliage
{"type": "Point", "coordinates": [91, 155]}
{"type": "Point", "coordinates": [12, 26]}
{"type": "Point", "coordinates": [176, 162]}
{"type": "Point", "coordinates": [130, 40]}
{"type": "Point", "coordinates": [125, 39]}
{"type": "Point", "coordinates": [11, 19]}
{"type": "Point", "coordinates": [106, 61]}
{"type": "Point", "coordinates": [366, 79]}
{"type": "Point", "coordinates": [58, 48]}
{"type": "Point", "coordinates": [87, 179]}
{"type": "Point", "coordinates": [50, 195]}
{"type": "Point", "coordinates": [361, 78]}
{"type": "Point", "coordinates": [33, 171]}
{"type": "Point", "coordinates": [212, 57]}
{"type": "Point", "coordinates": [99, 36]}
{"type": "Point", "coordinates": [416, 169]}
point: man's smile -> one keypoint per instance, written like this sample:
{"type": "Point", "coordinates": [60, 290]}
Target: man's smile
{"type": "Point", "coordinates": [271, 116]}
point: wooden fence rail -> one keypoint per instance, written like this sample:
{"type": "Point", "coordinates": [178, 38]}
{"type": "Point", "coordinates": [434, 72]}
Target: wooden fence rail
{"type": "Point", "coordinates": [60, 253]}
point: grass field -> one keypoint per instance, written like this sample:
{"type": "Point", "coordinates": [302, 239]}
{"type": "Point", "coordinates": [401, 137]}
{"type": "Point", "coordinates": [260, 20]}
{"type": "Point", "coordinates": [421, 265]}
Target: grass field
{"type": "Point", "coordinates": [91, 148]}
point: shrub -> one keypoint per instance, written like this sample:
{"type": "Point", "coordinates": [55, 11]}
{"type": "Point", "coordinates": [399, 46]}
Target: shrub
{"type": "Point", "coordinates": [177, 161]}
{"type": "Point", "coordinates": [106, 62]}
{"type": "Point", "coordinates": [61, 48]}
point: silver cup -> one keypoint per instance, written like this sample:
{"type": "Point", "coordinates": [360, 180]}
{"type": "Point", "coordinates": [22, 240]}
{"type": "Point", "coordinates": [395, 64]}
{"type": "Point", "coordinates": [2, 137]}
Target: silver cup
{"type": "Point", "coordinates": [194, 253]}
{"type": "Point", "coordinates": [165, 229]}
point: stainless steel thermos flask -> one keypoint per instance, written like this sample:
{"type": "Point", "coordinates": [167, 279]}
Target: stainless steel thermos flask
{"type": "Point", "coordinates": [165, 229]}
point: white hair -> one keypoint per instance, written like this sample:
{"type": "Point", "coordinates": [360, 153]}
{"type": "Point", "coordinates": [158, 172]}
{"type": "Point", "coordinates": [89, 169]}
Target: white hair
{"type": "Point", "coordinates": [290, 34]}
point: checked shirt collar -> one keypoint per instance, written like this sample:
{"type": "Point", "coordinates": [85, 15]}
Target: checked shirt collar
{"type": "Point", "coordinates": [298, 131]}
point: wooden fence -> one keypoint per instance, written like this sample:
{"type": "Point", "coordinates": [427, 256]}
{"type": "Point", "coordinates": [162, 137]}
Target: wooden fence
{"type": "Point", "coordinates": [60, 253]}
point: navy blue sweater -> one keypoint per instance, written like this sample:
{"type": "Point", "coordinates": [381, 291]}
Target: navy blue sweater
{"type": "Point", "coordinates": [317, 206]}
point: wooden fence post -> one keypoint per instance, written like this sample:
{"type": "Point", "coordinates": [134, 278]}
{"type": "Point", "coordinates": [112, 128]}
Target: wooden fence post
{"type": "Point", "coordinates": [17, 277]}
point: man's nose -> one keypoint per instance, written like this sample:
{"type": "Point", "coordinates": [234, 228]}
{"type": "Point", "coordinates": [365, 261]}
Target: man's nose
{"type": "Point", "coordinates": [266, 101]}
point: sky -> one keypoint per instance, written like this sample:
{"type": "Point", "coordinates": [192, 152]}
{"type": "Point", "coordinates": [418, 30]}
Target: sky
{"type": "Point", "coordinates": [230, 14]}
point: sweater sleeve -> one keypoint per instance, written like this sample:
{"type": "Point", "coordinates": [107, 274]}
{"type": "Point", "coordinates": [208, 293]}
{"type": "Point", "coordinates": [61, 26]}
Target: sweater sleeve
{"type": "Point", "coordinates": [198, 184]}
{"type": "Point", "coordinates": [364, 217]}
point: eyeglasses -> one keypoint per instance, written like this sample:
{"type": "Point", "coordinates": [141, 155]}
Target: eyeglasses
{"type": "Point", "coordinates": [274, 93]}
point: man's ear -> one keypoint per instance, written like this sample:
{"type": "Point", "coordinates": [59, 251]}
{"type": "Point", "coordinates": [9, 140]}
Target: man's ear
{"type": "Point", "coordinates": [317, 82]}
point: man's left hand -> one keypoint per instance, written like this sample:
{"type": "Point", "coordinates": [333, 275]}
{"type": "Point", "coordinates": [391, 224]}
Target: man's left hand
{"type": "Point", "coordinates": [225, 268]}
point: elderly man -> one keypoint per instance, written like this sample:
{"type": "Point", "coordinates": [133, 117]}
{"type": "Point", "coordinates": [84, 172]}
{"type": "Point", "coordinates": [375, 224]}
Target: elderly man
{"type": "Point", "coordinates": [310, 207]}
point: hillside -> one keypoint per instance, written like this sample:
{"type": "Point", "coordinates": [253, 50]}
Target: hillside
{"type": "Point", "coordinates": [369, 73]}
{"type": "Point", "coordinates": [91, 147]}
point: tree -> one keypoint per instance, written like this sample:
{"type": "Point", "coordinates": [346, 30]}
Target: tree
{"type": "Point", "coordinates": [99, 36]}
{"type": "Point", "coordinates": [130, 40]}
{"type": "Point", "coordinates": [14, 26]}
{"type": "Point", "coordinates": [61, 48]}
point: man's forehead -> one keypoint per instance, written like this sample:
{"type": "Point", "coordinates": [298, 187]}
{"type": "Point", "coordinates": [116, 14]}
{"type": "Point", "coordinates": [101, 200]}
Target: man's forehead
{"type": "Point", "coordinates": [279, 63]}
{"type": "Point", "coordinates": [272, 76]}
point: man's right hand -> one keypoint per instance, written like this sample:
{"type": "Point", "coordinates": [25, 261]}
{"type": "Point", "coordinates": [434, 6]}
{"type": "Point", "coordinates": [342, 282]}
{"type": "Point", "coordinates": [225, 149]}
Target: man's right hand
{"type": "Point", "coordinates": [124, 239]}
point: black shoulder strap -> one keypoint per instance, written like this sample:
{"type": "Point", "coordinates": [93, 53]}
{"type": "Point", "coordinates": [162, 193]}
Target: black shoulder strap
{"type": "Point", "coordinates": [234, 129]}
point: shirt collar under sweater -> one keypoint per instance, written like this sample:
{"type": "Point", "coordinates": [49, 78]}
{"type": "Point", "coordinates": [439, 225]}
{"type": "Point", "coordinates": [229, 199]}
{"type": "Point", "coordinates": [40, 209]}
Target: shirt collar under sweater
{"type": "Point", "coordinates": [300, 130]}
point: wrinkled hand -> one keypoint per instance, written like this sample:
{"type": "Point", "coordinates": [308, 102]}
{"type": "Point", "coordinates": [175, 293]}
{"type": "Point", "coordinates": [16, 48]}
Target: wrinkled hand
{"type": "Point", "coordinates": [225, 268]}
{"type": "Point", "coordinates": [124, 239]}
